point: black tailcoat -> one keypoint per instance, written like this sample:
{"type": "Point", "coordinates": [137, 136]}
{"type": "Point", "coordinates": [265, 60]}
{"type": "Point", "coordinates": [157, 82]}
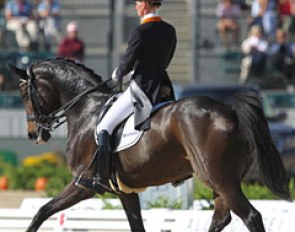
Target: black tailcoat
{"type": "Point", "coordinates": [150, 49]}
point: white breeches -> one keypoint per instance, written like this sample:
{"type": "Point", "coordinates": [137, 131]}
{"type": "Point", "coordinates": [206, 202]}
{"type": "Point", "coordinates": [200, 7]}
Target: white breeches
{"type": "Point", "coordinates": [118, 112]}
{"type": "Point", "coordinates": [22, 38]}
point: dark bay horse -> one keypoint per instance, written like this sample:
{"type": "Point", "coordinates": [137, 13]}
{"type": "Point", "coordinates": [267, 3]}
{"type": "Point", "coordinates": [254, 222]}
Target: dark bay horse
{"type": "Point", "coordinates": [213, 140]}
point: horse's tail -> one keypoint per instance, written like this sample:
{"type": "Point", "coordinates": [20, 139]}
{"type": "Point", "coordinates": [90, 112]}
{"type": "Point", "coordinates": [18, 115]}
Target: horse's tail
{"type": "Point", "coordinates": [253, 125]}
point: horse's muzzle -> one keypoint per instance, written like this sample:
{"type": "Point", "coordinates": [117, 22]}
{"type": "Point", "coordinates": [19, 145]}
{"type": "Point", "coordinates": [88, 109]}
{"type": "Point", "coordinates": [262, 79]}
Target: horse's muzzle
{"type": "Point", "coordinates": [40, 136]}
{"type": "Point", "coordinates": [32, 136]}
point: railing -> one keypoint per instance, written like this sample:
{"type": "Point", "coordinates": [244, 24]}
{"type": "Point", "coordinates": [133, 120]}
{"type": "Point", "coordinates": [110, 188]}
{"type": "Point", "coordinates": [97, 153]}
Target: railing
{"type": "Point", "coordinates": [10, 99]}
{"type": "Point", "coordinates": [21, 60]}
{"type": "Point", "coordinates": [277, 217]}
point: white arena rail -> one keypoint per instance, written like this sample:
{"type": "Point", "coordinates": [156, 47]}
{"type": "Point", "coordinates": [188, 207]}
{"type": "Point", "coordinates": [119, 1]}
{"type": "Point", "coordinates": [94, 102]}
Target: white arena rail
{"type": "Point", "coordinates": [278, 216]}
{"type": "Point", "coordinates": [18, 220]}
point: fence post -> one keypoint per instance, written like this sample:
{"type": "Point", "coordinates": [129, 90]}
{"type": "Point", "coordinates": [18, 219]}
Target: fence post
{"type": "Point", "coordinates": [61, 220]}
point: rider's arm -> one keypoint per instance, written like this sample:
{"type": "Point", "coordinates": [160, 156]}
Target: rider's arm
{"type": "Point", "coordinates": [131, 54]}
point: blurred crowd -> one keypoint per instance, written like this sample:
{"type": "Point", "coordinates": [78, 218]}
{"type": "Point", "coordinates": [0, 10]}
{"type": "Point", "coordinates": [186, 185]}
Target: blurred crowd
{"type": "Point", "coordinates": [37, 25]}
{"type": "Point", "coordinates": [270, 43]}
{"type": "Point", "coordinates": [36, 28]}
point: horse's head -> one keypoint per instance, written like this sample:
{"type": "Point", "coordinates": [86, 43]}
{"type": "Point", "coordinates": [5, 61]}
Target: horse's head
{"type": "Point", "coordinates": [35, 94]}
{"type": "Point", "coordinates": [52, 88]}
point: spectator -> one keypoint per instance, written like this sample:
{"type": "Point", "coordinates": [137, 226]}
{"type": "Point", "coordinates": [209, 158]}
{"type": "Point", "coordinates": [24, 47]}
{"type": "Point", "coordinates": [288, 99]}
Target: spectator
{"type": "Point", "coordinates": [254, 49]}
{"type": "Point", "coordinates": [287, 17]}
{"type": "Point", "coordinates": [227, 13]}
{"type": "Point", "coordinates": [72, 46]}
{"type": "Point", "coordinates": [19, 19]}
{"type": "Point", "coordinates": [256, 14]}
{"type": "Point", "coordinates": [281, 54]}
{"type": "Point", "coordinates": [265, 14]}
{"type": "Point", "coordinates": [49, 21]}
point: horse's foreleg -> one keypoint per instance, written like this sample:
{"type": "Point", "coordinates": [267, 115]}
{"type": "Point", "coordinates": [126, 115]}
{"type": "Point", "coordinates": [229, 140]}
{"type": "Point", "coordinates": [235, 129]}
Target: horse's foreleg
{"type": "Point", "coordinates": [131, 207]}
{"type": "Point", "coordinates": [221, 217]}
{"type": "Point", "coordinates": [71, 195]}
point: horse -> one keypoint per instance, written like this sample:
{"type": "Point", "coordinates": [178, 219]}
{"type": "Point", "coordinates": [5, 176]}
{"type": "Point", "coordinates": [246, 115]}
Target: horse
{"type": "Point", "coordinates": [213, 140]}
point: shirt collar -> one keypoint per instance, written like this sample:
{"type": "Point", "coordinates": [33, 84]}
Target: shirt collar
{"type": "Point", "coordinates": [154, 16]}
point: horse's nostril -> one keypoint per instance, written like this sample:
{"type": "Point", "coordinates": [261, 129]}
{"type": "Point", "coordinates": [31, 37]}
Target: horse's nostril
{"type": "Point", "coordinates": [32, 136]}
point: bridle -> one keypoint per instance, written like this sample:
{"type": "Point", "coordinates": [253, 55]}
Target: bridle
{"type": "Point", "coordinates": [53, 120]}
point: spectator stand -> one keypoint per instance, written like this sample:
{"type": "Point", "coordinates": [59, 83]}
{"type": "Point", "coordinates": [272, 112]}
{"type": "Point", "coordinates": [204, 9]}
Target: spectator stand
{"type": "Point", "coordinates": [232, 65]}
{"type": "Point", "coordinates": [20, 59]}
{"type": "Point", "coordinates": [228, 12]}
{"type": "Point", "coordinates": [25, 59]}
{"type": "Point", "coordinates": [211, 49]}
{"type": "Point", "coordinates": [89, 14]}
{"type": "Point", "coordinates": [9, 53]}
{"type": "Point", "coordinates": [211, 52]}
{"type": "Point", "coordinates": [7, 38]}
{"type": "Point", "coordinates": [10, 100]}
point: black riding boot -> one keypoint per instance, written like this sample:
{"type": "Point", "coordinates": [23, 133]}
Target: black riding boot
{"type": "Point", "coordinates": [103, 172]}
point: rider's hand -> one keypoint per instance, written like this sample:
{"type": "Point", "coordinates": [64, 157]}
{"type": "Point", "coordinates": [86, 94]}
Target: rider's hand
{"type": "Point", "coordinates": [125, 78]}
{"type": "Point", "coordinates": [128, 77]}
{"type": "Point", "coordinates": [114, 75]}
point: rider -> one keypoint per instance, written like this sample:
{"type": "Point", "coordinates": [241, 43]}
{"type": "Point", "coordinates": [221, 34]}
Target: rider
{"type": "Point", "coordinates": [151, 46]}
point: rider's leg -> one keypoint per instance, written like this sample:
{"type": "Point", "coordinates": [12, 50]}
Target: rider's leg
{"type": "Point", "coordinates": [103, 172]}
{"type": "Point", "coordinates": [118, 112]}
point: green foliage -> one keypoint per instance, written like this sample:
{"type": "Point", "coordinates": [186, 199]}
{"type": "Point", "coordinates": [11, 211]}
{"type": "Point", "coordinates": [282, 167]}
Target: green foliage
{"type": "Point", "coordinates": [58, 181]}
{"type": "Point", "coordinates": [109, 205]}
{"type": "Point", "coordinates": [165, 202]}
{"type": "Point", "coordinates": [257, 191]}
{"type": "Point", "coordinates": [24, 177]}
{"type": "Point", "coordinates": [201, 191]}
{"type": "Point", "coordinates": [7, 157]}
{"type": "Point", "coordinates": [106, 196]}
{"type": "Point", "coordinates": [292, 187]}
{"type": "Point", "coordinates": [252, 191]}
{"type": "Point", "coordinates": [46, 165]}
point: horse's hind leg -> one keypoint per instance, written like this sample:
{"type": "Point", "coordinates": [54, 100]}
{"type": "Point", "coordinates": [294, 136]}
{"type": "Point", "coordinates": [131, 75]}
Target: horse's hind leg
{"type": "Point", "coordinates": [131, 206]}
{"type": "Point", "coordinates": [221, 217]}
{"type": "Point", "coordinates": [240, 205]}
{"type": "Point", "coordinates": [71, 195]}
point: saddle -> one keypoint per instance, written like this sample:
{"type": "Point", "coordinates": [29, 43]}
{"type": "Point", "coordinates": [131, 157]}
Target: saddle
{"type": "Point", "coordinates": [125, 135]}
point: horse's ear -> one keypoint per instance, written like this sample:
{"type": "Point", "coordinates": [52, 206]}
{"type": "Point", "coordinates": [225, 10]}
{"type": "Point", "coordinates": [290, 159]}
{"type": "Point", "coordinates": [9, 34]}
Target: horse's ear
{"type": "Point", "coordinates": [19, 72]}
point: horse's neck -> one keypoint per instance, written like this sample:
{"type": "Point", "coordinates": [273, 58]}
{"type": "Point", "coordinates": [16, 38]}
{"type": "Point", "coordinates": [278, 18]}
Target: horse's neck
{"type": "Point", "coordinates": [86, 112]}
{"type": "Point", "coordinates": [86, 109]}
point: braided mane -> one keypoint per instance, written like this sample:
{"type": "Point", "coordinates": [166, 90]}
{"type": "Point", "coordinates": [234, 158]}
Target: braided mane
{"type": "Point", "coordinates": [70, 72]}
{"type": "Point", "coordinates": [82, 66]}
{"type": "Point", "coordinates": [60, 63]}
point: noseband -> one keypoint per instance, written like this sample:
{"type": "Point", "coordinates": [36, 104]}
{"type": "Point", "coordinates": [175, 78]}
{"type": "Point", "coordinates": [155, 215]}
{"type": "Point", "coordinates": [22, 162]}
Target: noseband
{"type": "Point", "coordinates": [53, 120]}
{"type": "Point", "coordinates": [34, 97]}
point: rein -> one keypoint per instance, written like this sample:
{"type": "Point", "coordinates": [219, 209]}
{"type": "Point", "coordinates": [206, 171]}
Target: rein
{"type": "Point", "coordinates": [52, 121]}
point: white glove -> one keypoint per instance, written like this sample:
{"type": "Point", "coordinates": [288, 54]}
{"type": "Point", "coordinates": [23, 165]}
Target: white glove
{"type": "Point", "coordinates": [126, 78]}
{"type": "Point", "coordinates": [114, 75]}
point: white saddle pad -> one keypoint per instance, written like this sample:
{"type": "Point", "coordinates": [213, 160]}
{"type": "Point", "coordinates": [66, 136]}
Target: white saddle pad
{"type": "Point", "coordinates": [130, 136]}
